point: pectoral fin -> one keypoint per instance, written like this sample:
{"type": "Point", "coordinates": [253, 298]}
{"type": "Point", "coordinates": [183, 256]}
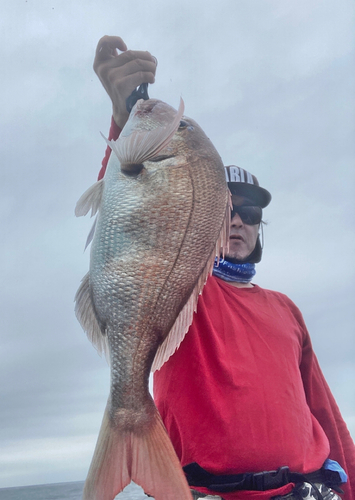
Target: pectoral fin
{"type": "Point", "coordinates": [90, 199]}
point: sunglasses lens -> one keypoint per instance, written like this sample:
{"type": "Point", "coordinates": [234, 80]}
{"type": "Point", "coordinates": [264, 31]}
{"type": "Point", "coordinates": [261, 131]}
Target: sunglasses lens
{"type": "Point", "coordinates": [250, 215]}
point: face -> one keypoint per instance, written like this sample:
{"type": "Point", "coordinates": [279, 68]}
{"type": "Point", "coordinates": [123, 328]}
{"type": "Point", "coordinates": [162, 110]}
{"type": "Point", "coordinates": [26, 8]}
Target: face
{"type": "Point", "coordinates": [243, 236]}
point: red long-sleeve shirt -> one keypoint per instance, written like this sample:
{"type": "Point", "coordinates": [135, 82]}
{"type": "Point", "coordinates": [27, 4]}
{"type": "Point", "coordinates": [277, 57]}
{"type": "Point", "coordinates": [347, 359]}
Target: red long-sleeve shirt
{"type": "Point", "coordinates": [244, 392]}
{"type": "Point", "coordinates": [113, 135]}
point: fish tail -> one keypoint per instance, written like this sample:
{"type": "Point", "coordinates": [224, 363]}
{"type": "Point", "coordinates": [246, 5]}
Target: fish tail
{"type": "Point", "coordinates": [109, 472]}
{"type": "Point", "coordinates": [145, 456]}
{"type": "Point", "coordinates": [155, 465]}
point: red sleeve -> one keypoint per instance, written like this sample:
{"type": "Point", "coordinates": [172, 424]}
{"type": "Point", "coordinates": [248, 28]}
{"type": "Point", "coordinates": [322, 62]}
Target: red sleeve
{"type": "Point", "coordinates": [325, 409]}
{"type": "Point", "coordinates": [113, 135]}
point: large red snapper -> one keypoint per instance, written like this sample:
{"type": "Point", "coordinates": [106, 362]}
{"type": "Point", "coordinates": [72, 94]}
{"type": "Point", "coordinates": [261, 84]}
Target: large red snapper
{"type": "Point", "coordinates": [163, 216]}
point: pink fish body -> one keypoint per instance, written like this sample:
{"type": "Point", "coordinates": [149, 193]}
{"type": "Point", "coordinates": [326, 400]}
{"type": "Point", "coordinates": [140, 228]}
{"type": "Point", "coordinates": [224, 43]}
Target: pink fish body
{"type": "Point", "coordinates": [163, 216]}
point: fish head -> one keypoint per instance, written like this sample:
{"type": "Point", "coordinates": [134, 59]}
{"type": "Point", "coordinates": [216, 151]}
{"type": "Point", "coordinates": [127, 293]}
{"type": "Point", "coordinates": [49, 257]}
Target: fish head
{"type": "Point", "coordinates": [147, 115]}
{"type": "Point", "coordinates": [156, 132]}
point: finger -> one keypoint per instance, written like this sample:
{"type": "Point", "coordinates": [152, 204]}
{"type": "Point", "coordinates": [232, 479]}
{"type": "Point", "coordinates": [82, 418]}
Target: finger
{"type": "Point", "coordinates": [130, 67]}
{"type": "Point", "coordinates": [131, 82]}
{"type": "Point", "coordinates": [111, 75]}
{"type": "Point", "coordinates": [131, 55]}
{"type": "Point", "coordinates": [107, 47]}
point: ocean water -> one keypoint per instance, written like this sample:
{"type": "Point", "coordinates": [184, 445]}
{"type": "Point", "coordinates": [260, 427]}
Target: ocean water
{"type": "Point", "coordinates": [63, 491]}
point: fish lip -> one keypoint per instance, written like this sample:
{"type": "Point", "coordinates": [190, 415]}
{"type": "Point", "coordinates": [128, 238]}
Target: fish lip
{"type": "Point", "coordinates": [160, 158]}
{"type": "Point", "coordinates": [144, 106]}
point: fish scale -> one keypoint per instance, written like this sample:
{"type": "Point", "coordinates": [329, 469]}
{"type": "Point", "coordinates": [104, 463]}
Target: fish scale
{"type": "Point", "coordinates": [163, 216]}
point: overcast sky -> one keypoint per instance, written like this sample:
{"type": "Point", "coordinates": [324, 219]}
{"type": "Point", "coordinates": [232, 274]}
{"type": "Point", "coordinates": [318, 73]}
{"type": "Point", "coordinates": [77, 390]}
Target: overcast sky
{"type": "Point", "coordinates": [272, 84]}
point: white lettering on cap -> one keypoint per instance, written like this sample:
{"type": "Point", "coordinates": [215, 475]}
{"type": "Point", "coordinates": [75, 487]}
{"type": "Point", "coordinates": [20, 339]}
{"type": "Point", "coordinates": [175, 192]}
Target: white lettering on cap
{"type": "Point", "coordinates": [237, 174]}
{"type": "Point", "coordinates": [250, 179]}
{"type": "Point", "coordinates": [234, 173]}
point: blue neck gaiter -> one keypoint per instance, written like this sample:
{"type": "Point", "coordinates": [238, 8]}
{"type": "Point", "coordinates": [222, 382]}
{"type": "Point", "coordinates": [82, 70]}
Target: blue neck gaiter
{"type": "Point", "coordinates": [227, 271]}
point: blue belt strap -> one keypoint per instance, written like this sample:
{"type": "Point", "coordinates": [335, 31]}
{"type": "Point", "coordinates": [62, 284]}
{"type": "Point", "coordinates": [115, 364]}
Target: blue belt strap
{"type": "Point", "coordinates": [334, 466]}
{"type": "Point", "coordinates": [331, 475]}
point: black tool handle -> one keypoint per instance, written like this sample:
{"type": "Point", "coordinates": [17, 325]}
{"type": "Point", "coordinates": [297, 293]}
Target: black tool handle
{"type": "Point", "coordinates": [139, 93]}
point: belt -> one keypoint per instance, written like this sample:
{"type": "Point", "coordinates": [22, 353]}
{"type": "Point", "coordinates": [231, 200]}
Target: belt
{"type": "Point", "coordinates": [261, 481]}
{"type": "Point", "coordinates": [302, 490]}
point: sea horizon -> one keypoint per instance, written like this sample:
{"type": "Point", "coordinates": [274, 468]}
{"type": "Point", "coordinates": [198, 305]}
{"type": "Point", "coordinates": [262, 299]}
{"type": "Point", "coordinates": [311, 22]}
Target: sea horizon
{"type": "Point", "coordinates": [68, 490]}
{"type": "Point", "coordinates": [40, 484]}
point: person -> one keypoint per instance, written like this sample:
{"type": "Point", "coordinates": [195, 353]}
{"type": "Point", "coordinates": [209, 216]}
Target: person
{"type": "Point", "coordinates": [243, 399]}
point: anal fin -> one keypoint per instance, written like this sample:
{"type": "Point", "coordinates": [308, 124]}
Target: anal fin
{"type": "Point", "coordinates": [85, 312]}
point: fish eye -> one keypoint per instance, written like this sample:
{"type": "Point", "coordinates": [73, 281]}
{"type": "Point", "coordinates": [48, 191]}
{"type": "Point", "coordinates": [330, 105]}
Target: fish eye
{"type": "Point", "coordinates": [183, 124]}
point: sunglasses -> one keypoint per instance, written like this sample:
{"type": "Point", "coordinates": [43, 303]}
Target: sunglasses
{"type": "Point", "coordinates": [249, 214]}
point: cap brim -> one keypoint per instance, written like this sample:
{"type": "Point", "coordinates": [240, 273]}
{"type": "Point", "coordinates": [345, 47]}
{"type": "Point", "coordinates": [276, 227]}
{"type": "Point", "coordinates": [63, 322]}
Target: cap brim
{"type": "Point", "coordinates": [258, 195]}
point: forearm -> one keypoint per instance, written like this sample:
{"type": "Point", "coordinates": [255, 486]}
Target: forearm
{"type": "Point", "coordinates": [120, 74]}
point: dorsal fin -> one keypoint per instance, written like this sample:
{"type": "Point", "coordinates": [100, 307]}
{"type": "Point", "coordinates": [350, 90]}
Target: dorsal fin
{"type": "Point", "coordinates": [90, 199]}
{"type": "Point", "coordinates": [184, 319]}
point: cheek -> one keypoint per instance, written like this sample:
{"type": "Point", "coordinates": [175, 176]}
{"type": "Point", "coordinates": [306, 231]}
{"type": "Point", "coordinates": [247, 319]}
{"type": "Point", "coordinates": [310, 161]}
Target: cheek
{"type": "Point", "coordinates": [253, 235]}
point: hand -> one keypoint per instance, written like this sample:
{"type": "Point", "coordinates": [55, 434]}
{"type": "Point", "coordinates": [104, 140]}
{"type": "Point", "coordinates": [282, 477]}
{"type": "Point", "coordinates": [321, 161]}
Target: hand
{"type": "Point", "coordinates": [121, 73]}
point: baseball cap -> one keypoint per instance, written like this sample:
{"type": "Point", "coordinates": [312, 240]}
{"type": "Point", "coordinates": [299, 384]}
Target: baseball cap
{"type": "Point", "coordinates": [243, 183]}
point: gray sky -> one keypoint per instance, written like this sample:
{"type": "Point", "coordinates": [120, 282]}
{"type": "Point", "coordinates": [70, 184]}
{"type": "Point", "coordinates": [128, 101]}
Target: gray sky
{"type": "Point", "coordinates": [272, 84]}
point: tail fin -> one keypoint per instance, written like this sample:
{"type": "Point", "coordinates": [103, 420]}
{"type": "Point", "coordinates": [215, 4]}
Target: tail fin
{"type": "Point", "coordinates": [148, 458]}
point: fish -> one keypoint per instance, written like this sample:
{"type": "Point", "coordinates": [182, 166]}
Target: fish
{"type": "Point", "coordinates": [163, 215]}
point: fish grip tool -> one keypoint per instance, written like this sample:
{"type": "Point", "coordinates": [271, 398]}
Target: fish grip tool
{"type": "Point", "coordinates": [140, 92]}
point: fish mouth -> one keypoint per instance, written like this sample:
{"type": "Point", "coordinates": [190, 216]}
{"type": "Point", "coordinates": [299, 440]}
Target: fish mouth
{"type": "Point", "coordinates": [158, 158]}
{"type": "Point", "coordinates": [145, 106]}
